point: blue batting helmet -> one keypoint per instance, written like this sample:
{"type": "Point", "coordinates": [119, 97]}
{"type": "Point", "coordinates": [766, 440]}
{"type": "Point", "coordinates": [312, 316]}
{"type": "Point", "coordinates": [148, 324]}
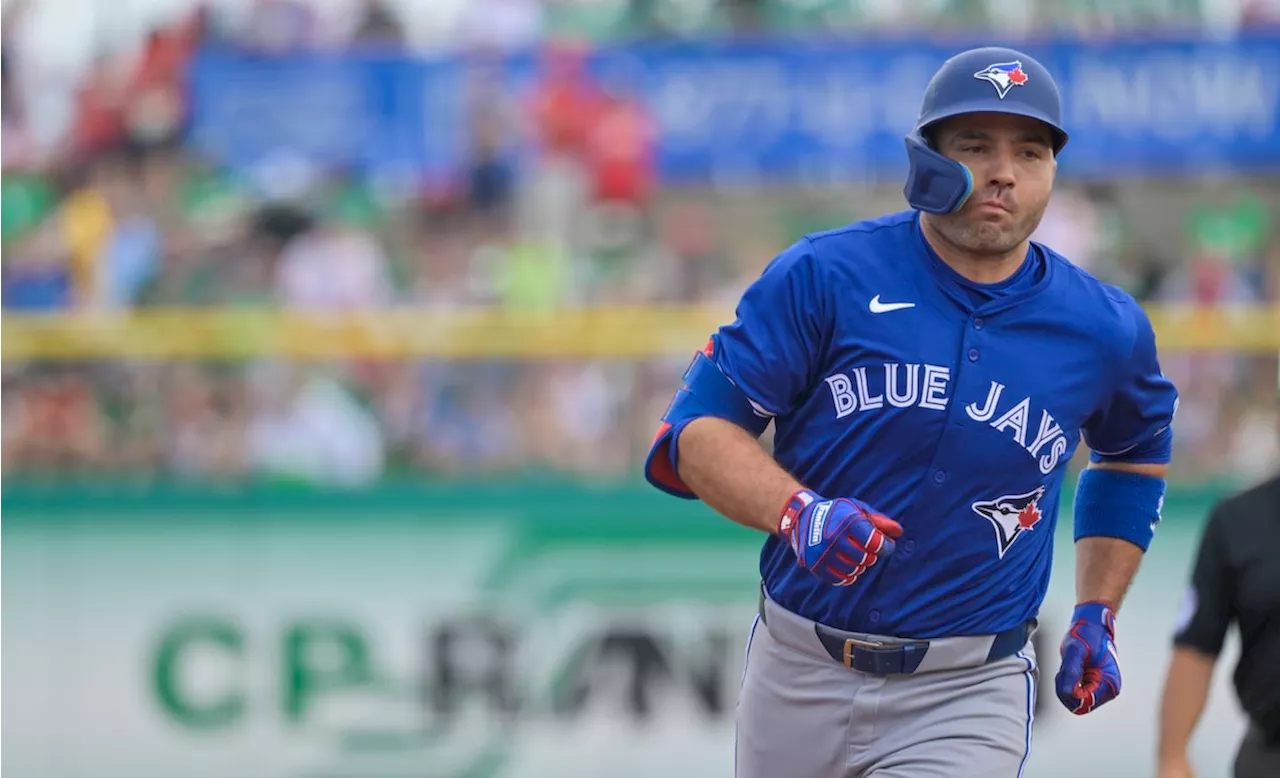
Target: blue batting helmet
{"type": "Point", "coordinates": [989, 79]}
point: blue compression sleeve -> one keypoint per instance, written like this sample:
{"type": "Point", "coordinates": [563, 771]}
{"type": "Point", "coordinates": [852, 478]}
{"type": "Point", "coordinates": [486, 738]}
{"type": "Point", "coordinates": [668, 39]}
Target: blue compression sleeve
{"type": "Point", "coordinates": [1117, 504]}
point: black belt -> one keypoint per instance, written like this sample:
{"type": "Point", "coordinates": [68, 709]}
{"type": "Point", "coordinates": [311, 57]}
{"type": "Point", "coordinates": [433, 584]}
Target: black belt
{"type": "Point", "coordinates": [876, 658]}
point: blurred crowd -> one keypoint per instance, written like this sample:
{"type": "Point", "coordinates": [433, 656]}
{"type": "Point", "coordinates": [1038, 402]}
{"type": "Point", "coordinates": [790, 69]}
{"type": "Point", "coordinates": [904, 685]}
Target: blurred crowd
{"type": "Point", "coordinates": [517, 23]}
{"type": "Point", "coordinates": [114, 211]}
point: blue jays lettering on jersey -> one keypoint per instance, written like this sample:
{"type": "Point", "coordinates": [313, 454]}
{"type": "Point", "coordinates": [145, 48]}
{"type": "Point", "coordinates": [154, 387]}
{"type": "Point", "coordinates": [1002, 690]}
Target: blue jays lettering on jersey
{"type": "Point", "coordinates": [948, 406]}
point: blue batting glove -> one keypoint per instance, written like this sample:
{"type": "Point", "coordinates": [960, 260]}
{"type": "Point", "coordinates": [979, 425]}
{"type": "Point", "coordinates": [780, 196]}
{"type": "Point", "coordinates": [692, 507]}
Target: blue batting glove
{"type": "Point", "coordinates": [1090, 673]}
{"type": "Point", "coordinates": [836, 540]}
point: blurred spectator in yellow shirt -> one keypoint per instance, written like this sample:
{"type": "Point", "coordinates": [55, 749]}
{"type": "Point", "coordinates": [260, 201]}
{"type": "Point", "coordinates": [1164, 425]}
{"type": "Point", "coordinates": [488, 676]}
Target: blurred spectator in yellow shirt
{"type": "Point", "coordinates": [86, 225]}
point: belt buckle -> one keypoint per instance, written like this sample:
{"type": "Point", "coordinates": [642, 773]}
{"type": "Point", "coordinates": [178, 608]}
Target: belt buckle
{"type": "Point", "coordinates": [851, 643]}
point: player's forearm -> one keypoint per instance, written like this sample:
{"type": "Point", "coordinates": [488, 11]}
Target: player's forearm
{"type": "Point", "coordinates": [1104, 569]}
{"type": "Point", "coordinates": [1185, 691]}
{"type": "Point", "coordinates": [1106, 566]}
{"type": "Point", "coordinates": [729, 471]}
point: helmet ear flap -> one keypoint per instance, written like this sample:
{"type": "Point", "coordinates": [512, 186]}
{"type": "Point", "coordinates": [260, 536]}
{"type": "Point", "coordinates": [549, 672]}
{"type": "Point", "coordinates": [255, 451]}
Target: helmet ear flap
{"type": "Point", "coordinates": [935, 183]}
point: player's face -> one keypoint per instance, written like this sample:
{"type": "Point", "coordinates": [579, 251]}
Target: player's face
{"type": "Point", "coordinates": [1011, 159]}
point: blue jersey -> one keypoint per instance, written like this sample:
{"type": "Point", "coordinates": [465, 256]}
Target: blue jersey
{"type": "Point", "coordinates": [950, 406]}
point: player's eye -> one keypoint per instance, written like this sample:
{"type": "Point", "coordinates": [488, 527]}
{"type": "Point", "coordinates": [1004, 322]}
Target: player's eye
{"type": "Point", "coordinates": [1032, 154]}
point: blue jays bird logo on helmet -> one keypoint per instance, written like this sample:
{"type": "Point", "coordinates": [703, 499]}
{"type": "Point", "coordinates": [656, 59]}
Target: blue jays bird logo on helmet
{"type": "Point", "coordinates": [1003, 76]}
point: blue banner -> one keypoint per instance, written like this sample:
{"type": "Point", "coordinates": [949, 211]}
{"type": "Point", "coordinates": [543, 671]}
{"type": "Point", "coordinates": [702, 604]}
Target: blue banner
{"type": "Point", "coordinates": [365, 113]}
{"type": "Point", "coordinates": [1145, 109]}
{"type": "Point", "coordinates": [762, 112]}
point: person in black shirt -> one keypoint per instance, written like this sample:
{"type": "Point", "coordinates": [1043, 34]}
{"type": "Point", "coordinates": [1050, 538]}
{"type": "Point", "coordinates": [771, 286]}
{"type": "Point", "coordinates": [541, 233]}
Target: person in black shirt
{"type": "Point", "coordinates": [1236, 581]}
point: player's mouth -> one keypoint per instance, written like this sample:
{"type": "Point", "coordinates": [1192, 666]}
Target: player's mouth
{"type": "Point", "coordinates": [993, 206]}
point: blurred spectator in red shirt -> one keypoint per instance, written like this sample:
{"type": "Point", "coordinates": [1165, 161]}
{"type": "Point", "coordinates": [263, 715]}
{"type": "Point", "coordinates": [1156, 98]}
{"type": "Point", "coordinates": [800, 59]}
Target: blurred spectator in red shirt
{"type": "Point", "coordinates": [566, 101]}
{"type": "Point", "coordinates": [156, 102]}
{"type": "Point", "coordinates": [141, 101]}
{"type": "Point", "coordinates": [99, 113]}
{"type": "Point", "coordinates": [557, 190]}
{"type": "Point", "coordinates": [619, 151]}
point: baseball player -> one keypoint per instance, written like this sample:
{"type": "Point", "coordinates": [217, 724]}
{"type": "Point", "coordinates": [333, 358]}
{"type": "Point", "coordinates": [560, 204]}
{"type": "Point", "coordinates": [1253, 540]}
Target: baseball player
{"type": "Point", "coordinates": [929, 374]}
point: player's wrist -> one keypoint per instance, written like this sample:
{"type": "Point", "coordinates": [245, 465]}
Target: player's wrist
{"type": "Point", "coordinates": [794, 509]}
{"type": "Point", "coordinates": [1096, 612]}
{"type": "Point", "coordinates": [1172, 755]}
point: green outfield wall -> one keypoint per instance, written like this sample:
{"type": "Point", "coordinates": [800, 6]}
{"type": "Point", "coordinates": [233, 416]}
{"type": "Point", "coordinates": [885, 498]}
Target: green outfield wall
{"type": "Point", "coordinates": [515, 629]}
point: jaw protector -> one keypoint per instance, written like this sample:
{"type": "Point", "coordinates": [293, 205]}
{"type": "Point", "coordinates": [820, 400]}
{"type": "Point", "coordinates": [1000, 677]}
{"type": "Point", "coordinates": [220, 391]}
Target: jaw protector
{"type": "Point", "coordinates": [935, 183]}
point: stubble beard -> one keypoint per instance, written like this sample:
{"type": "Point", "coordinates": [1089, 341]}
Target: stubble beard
{"type": "Point", "coordinates": [985, 239]}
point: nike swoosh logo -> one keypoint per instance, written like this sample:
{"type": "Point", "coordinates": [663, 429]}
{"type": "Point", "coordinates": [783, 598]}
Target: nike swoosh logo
{"type": "Point", "coordinates": [879, 307]}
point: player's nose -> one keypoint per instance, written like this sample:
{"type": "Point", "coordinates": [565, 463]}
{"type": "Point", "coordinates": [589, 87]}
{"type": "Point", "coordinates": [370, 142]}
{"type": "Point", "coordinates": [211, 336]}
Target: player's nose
{"type": "Point", "coordinates": [1002, 172]}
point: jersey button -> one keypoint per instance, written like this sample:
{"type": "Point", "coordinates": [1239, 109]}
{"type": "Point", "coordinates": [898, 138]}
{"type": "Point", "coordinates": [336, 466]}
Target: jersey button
{"type": "Point", "coordinates": [978, 323]}
{"type": "Point", "coordinates": [874, 616]}
{"type": "Point", "coordinates": [909, 546]}
{"type": "Point", "coordinates": [973, 355]}
{"type": "Point", "coordinates": [939, 476]}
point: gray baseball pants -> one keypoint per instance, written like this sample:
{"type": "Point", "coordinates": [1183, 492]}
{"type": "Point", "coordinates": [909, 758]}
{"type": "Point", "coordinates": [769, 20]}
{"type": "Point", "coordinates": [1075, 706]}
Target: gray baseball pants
{"type": "Point", "coordinates": [802, 714]}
